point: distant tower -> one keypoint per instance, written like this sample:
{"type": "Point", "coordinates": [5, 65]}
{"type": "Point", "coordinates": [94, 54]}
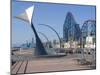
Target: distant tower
{"type": "Point", "coordinates": [32, 40]}
{"type": "Point", "coordinates": [71, 30]}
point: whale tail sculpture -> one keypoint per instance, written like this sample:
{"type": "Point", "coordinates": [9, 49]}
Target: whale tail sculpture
{"type": "Point", "coordinates": [40, 50]}
{"type": "Point", "coordinates": [27, 17]}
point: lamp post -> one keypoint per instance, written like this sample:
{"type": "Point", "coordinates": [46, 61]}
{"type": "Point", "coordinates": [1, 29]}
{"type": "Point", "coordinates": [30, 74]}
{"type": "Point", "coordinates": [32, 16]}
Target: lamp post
{"type": "Point", "coordinates": [54, 31]}
{"type": "Point", "coordinates": [82, 50]}
{"type": "Point", "coordinates": [45, 38]}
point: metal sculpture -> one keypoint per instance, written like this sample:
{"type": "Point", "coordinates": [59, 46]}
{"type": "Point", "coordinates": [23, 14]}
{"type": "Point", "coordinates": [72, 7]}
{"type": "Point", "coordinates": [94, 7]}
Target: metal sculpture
{"type": "Point", "coordinates": [27, 17]}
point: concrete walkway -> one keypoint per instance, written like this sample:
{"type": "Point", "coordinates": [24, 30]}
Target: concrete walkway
{"type": "Point", "coordinates": [47, 65]}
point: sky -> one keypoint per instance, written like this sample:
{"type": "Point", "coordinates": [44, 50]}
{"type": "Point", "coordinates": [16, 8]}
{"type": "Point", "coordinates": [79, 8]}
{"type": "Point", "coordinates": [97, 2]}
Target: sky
{"type": "Point", "coordinates": [46, 13]}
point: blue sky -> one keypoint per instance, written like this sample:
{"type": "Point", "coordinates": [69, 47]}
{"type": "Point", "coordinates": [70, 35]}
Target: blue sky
{"type": "Point", "coordinates": [46, 13]}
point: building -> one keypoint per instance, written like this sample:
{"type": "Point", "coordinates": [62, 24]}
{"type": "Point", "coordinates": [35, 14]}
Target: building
{"type": "Point", "coordinates": [71, 30]}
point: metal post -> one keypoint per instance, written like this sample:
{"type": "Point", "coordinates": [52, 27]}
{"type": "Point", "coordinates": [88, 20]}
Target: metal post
{"type": "Point", "coordinates": [54, 31]}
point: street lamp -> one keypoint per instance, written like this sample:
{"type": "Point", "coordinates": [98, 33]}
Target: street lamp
{"type": "Point", "coordinates": [54, 31]}
{"type": "Point", "coordinates": [45, 38]}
